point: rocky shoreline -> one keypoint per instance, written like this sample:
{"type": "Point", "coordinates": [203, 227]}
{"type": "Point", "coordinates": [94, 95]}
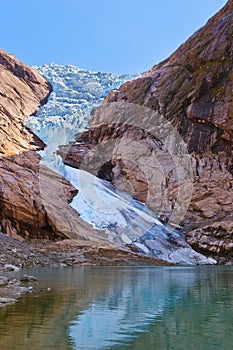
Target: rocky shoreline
{"type": "Point", "coordinates": [15, 254]}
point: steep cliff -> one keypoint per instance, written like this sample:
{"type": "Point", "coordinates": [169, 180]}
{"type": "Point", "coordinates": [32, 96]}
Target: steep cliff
{"type": "Point", "coordinates": [34, 201]}
{"type": "Point", "coordinates": [29, 193]}
{"type": "Point", "coordinates": [192, 89]}
{"type": "Point", "coordinates": [22, 90]}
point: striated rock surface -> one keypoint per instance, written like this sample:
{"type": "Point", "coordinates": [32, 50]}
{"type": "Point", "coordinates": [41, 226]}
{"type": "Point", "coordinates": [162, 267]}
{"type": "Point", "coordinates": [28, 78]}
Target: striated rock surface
{"type": "Point", "coordinates": [192, 89]}
{"type": "Point", "coordinates": [22, 208]}
{"type": "Point", "coordinates": [31, 196]}
{"type": "Point", "coordinates": [22, 90]}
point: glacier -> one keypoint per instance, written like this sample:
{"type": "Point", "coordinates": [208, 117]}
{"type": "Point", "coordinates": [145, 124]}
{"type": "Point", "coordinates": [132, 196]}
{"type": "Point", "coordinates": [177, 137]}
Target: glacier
{"type": "Point", "coordinates": [75, 93]}
{"type": "Point", "coordinates": [125, 221]}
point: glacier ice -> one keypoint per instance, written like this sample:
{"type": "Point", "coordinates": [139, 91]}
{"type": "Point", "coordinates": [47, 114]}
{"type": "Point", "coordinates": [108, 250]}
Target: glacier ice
{"type": "Point", "coordinates": [75, 93]}
{"type": "Point", "coordinates": [126, 221]}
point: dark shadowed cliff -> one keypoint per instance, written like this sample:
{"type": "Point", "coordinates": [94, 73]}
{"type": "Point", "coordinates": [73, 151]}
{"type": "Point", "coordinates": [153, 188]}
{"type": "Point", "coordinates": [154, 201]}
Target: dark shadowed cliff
{"type": "Point", "coordinates": [193, 89]}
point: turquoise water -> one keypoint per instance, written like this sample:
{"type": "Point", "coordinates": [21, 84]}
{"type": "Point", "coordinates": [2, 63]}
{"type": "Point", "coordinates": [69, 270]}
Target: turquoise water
{"type": "Point", "coordinates": [118, 308]}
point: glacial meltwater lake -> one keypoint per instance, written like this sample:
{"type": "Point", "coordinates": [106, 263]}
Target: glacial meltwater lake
{"type": "Point", "coordinates": [143, 308]}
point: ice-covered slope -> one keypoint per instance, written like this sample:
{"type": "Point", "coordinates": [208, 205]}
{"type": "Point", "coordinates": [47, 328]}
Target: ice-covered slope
{"type": "Point", "coordinates": [75, 93]}
{"type": "Point", "coordinates": [125, 220]}
{"type": "Point", "coordinates": [128, 221]}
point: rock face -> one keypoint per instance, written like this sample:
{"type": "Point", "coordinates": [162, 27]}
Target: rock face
{"type": "Point", "coordinates": [22, 90]}
{"type": "Point", "coordinates": [30, 195]}
{"type": "Point", "coordinates": [22, 208]}
{"type": "Point", "coordinates": [192, 89]}
{"type": "Point", "coordinates": [34, 201]}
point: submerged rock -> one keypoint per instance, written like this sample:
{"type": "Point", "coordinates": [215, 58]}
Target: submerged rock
{"type": "Point", "coordinates": [3, 281]}
{"type": "Point", "coordinates": [26, 278]}
{"type": "Point", "coordinates": [11, 290]}
{"type": "Point", "coordinates": [10, 267]}
{"type": "Point", "coordinates": [7, 300]}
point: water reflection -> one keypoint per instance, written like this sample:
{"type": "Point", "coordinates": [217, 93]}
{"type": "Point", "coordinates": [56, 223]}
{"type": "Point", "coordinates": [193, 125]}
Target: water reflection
{"type": "Point", "coordinates": [124, 308]}
{"type": "Point", "coordinates": [133, 301]}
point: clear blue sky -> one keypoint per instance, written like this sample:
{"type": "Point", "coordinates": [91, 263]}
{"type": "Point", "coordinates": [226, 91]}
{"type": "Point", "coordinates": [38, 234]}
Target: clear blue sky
{"type": "Point", "coordinates": [124, 36]}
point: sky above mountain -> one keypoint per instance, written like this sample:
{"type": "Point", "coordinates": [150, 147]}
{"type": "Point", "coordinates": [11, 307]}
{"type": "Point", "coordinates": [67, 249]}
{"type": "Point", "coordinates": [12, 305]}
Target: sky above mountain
{"type": "Point", "coordinates": [124, 36]}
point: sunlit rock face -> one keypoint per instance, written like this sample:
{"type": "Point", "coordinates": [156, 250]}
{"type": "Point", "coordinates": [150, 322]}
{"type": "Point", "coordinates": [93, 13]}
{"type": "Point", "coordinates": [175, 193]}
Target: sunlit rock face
{"type": "Point", "coordinates": [22, 91]}
{"type": "Point", "coordinates": [193, 90]}
{"type": "Point", "coordinates": [24, 212]}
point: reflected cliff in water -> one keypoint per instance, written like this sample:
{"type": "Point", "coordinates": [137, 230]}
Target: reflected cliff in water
{"type": "Point", "coordinates": [123, 308]}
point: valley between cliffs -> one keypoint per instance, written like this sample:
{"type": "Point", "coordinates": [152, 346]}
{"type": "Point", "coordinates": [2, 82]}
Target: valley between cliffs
{"type": "Point", "coordinates": [192, 91]}
{"type": "Point", "coordinates": [28, 235]}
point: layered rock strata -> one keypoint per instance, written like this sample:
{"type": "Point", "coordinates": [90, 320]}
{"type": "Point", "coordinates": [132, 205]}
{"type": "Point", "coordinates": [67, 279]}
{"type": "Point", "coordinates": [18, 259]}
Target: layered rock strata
{"type": "Point", "coordinates": [33, 199]}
